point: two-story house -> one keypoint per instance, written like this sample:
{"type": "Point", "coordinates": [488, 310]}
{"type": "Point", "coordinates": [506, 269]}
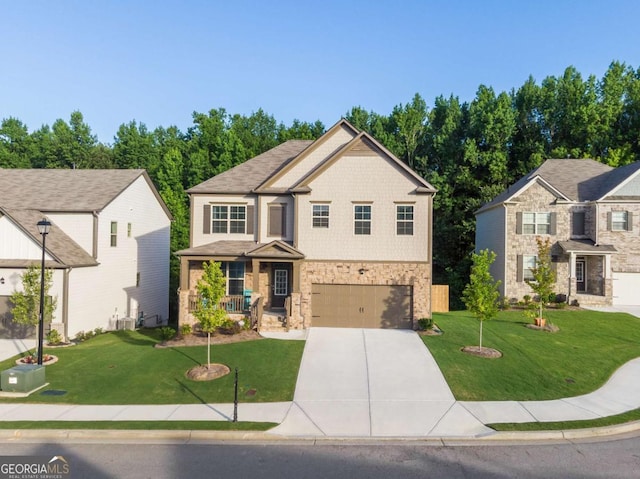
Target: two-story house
{"type": "Point", "coordinates": [588, 210]}
{"type": "Point", "coordinates": [334, 232]}
{"type": "Point", "coordinates": [108, 246]}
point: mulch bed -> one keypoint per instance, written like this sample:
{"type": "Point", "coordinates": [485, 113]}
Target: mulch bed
{"type": "Point", "coordinates": [483, 353]}
{"type": "Point", "coordinates": [204, 373]}
{"type": "Point", "coordinates": [200, 339]}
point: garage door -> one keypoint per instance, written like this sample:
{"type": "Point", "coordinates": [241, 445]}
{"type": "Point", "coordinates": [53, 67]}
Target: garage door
{"type": "Point", "coordinates": [9, 329]}
{"type": "Point", "coordinates": [626, 288]}
{"type": "Point", "coordinates": [361, 306]}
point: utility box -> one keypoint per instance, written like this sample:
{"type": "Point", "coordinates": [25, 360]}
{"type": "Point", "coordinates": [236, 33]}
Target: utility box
{"type": "Point", "coordinates": [22, 378]}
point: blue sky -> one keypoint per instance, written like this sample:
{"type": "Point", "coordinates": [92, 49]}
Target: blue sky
{"type": "Point", "coordinates": [159, 61]}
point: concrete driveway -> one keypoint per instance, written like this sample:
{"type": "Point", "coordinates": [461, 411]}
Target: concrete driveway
{"type": "Point", "coordinates": [372, 382]}
{"type": "Point", "coordinates": [633, 310]}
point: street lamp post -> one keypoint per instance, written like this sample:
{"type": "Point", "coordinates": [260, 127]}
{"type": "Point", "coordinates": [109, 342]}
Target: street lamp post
{"type": "Point", "coordinates": [43, 228]}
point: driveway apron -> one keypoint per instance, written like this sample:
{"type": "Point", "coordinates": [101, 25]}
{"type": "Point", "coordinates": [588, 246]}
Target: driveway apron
{"type": "Point", "coordinates": [371, 382]}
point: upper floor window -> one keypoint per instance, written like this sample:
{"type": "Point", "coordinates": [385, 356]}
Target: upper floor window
{"type": "Point", "coordinates": [129, 228]}
{"type": "Point", "coordinates": [320, 216]}
{"type": "Point", "coordinates": [620, 221]}
{"type": "Point", "coordinates": [404, 220]}
{"type": "Point", "coordinates": [228, 218]}
{"type": "Point", "coordinates": [577, 223]}
{"type": "Point", "coordinates": [362, 219]}
{"type": "Point", "coordinates": [536, 223]}
{"type": "Point", "coordinates": [114, 233]}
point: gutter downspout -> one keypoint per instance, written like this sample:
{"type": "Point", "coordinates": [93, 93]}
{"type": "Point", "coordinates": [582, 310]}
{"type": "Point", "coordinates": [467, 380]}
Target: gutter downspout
{"type": "Point", "coordinates": [94, 251]}
{"type": "Point", "coordinates": [506, 245]}
{"type": "Point", "coordinates": [65, 302]}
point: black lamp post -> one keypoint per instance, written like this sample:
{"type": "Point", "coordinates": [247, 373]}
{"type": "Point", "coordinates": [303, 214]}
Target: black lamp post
{"type": "Point", "coordinates": [43, 227]}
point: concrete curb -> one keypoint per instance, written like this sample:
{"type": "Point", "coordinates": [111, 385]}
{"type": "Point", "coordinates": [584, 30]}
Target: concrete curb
{"type": "Point", "coordinates": [198, 436]}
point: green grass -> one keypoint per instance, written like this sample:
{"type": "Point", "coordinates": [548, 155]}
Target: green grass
{"type": "Point", "coordinates": [628, 416]}
{"type": "Point", "coordinates": [142, 425]}
{"type": "Point", "coordinates": [535, 365]}
{"type": "Point", "coordinates": [124, 368]}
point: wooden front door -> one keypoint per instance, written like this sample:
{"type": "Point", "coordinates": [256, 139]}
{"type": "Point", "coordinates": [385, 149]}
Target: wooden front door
{"type": "Point", "coordinates": [280, 280]}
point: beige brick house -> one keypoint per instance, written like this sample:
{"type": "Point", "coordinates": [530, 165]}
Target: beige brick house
{"type": "Point", "coordinates": [334, 232]}
{"type": "Point", "coordinates": [589, 211]}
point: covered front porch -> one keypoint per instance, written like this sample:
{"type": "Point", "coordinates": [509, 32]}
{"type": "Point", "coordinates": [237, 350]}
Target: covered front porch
{"type": "Point", "coordinates": [263, 282]}
{"type": "Point", "coordinates": [590, 277]}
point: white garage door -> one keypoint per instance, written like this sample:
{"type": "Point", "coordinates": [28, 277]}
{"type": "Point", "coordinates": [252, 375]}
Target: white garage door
{"type": "Point", "coordinates": [626, 288]}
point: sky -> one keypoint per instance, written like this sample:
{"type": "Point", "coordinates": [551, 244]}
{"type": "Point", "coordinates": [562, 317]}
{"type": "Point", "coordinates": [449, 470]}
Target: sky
{"type": "Point", "coordinates": [157, 62]}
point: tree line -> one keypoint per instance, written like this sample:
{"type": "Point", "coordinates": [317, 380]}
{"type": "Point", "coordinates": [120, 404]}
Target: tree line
{"type": "Point", "coordinates": [470, 151]}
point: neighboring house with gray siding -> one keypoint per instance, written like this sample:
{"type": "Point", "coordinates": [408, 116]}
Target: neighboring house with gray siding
{"type": "Point", "coordinates": [332, 232]}
{"type": "Point", "coordinates": [591, 214]}
{"type": "Point", "coordinates": [108, 245]}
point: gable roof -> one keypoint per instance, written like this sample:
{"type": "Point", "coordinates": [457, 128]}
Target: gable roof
{"type": "Point", "coordinates": [618, 177]}
{"type": "Point", "coordinates": [67, 190]}
{"type": "Point", "coordinates": [572, 180]}
{"type": "Point", "coordinates": [259, 173]}
{"type": "Point", "coordinates": [64, 250]}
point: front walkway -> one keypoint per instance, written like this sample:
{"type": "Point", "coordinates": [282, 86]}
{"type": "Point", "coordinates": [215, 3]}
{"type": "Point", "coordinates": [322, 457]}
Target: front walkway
{"type": "Point", "coordinates": [372, 382]}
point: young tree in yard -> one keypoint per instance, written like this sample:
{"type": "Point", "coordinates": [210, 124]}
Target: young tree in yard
{"type": "Point", "coordinates": [544, 277]}
{"type": "Point", "coordinates": [481, 294]}
{"type": "Point", "coordinates": [26, 309]}
{"type": "Point", "coordinates": [211, 288]}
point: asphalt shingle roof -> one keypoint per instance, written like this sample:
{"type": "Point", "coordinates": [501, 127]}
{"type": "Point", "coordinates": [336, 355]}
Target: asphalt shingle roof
{"type": "Point", "coordinates": [247, 176]}
{"type": "Point", "coordinates": [63, 190]}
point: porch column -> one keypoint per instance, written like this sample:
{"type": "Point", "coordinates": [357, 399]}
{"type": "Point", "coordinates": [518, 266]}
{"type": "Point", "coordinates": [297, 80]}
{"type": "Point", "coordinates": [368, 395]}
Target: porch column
{"type": "Point", "coordinates": [572, 272]}
{"type": "Point", "coordinates": [606, 269]}
{"type": "Point", "coordinates": [296, 277]}
{"type": "Point", "coordinates": [255, 266]}
{"type": "Point", "coordinates": [184, 273]}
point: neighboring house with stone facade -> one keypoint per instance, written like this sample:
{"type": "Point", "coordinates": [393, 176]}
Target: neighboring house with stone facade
{"type": "Point", "coordinates": [108, 246]}
{"type": "Point", "coordinates": [591, 214]}
{"type": "Point", "coordinates": [334, 232]}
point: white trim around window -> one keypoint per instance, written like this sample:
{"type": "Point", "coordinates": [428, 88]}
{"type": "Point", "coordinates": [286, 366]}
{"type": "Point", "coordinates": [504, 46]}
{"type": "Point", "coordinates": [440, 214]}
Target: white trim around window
{"type": "Point", "coordinates": [320, 215]}
{"type": "Point", "coordinates": [362, 214]}
{"type": "Point", "coordinates": [228, 219]}
{"type": "Point", "coordinates": [404, 220]}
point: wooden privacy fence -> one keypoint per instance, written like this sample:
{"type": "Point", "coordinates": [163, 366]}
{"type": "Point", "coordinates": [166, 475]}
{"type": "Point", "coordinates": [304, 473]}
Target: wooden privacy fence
{"type": "Point", "coordinates": [439, 298]}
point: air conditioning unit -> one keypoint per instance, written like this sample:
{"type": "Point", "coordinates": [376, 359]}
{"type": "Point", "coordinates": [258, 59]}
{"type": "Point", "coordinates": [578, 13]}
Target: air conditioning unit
{"type": "Point", "coordinates": [126, 323]}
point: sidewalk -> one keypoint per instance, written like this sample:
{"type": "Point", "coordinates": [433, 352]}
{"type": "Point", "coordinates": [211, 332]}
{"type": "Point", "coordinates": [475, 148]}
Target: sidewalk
{"type": "Point", "coordinates": [392, 414]}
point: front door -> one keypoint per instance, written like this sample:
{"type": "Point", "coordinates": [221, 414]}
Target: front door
{"type": "Point", "coordinates": [581, 275]}
{"type": "Point", "coordinates": [279, 285]}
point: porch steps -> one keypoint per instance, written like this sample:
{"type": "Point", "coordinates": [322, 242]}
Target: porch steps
{"type": "Point", "coordinates": [274, 321]}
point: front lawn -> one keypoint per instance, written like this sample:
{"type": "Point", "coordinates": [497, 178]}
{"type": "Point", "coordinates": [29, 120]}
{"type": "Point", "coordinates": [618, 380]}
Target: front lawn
{"type": "Point", "coordinates": [535, 365]}
{"type": "Point", "coordinates": [123, 367]}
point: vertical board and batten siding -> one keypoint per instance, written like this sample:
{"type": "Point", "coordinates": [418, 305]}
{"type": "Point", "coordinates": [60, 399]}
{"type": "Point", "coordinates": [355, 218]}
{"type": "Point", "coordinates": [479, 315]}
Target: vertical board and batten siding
{"type": "Point", "coordinates": [265, 202]}
{"type": "Point", "coordinates": [491, 235]}
{"type": "Point", "coordinates": [15, 244]}
{"type": "Point", "coordinates": [98, 294]}
{"type": "Point", "coordinates": [300, 169]}
{"type": "Point", "coordinates": [201, 233]}
{"type": "Point", "coordinates": [78, 226]}
{"type": "Point", "coordinates": [342, 185]}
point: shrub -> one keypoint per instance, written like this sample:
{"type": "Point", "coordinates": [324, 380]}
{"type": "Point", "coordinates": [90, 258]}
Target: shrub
{"type": "Point", "coordinates": [186, 330]}
{"type": "Point", "coordinates": [527, 299]}
{"type": "Point", "coordinates": [229, 326]}
{"type": "Point", "coordinates": [98, 331]}
{"type": "Point", "coordinates": [425, 323]}
{"type": "Point", "coordinates": [53, 337]}
{"type": "Point", "coordinates": [79, 337]}
{"type": "Point", "coordinates": [167, 333]}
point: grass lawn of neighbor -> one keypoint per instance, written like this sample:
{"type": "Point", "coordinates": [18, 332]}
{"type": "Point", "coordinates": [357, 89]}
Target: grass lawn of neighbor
{"type": "Point", "coordinates": [535, 365]}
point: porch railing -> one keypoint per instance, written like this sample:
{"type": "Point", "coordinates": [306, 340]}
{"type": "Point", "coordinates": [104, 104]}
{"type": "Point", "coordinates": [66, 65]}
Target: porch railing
{"type": "Point", "coordinates": [256, 313]}
{"type": "Point", "coordinates": [231, 304]}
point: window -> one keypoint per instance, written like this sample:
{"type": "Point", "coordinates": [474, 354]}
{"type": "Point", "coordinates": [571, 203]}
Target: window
{"type": "Point", "coordinates": [619, 221]}
{"type": "Point", "coordinates": [128, 230]}
{"type": "Point", "coordinates": [114, 233]}
{"type": "Point", "coordinates": [137, 280]}
{"type": "Point", "coordinates": [536, 223]}
{"type": "Point", "coordinates": [577, 223]}
{"type": "Point", "coordinates": [238, 219]}
{"type": "Point", "coordinates": [225, 218]}
{"type": "Point", "coordinates": [277, 220]}
{"type": "Point", "coordinates": [320, 216]}
{"type": "Point", "coordinates": [362, 217]}
{"type": "Point", "coordinates": [234, 272]}
{"type": "Point", "coordinates": [528, 264]}
{"type": "Point", "coordinates": [404, 220]}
